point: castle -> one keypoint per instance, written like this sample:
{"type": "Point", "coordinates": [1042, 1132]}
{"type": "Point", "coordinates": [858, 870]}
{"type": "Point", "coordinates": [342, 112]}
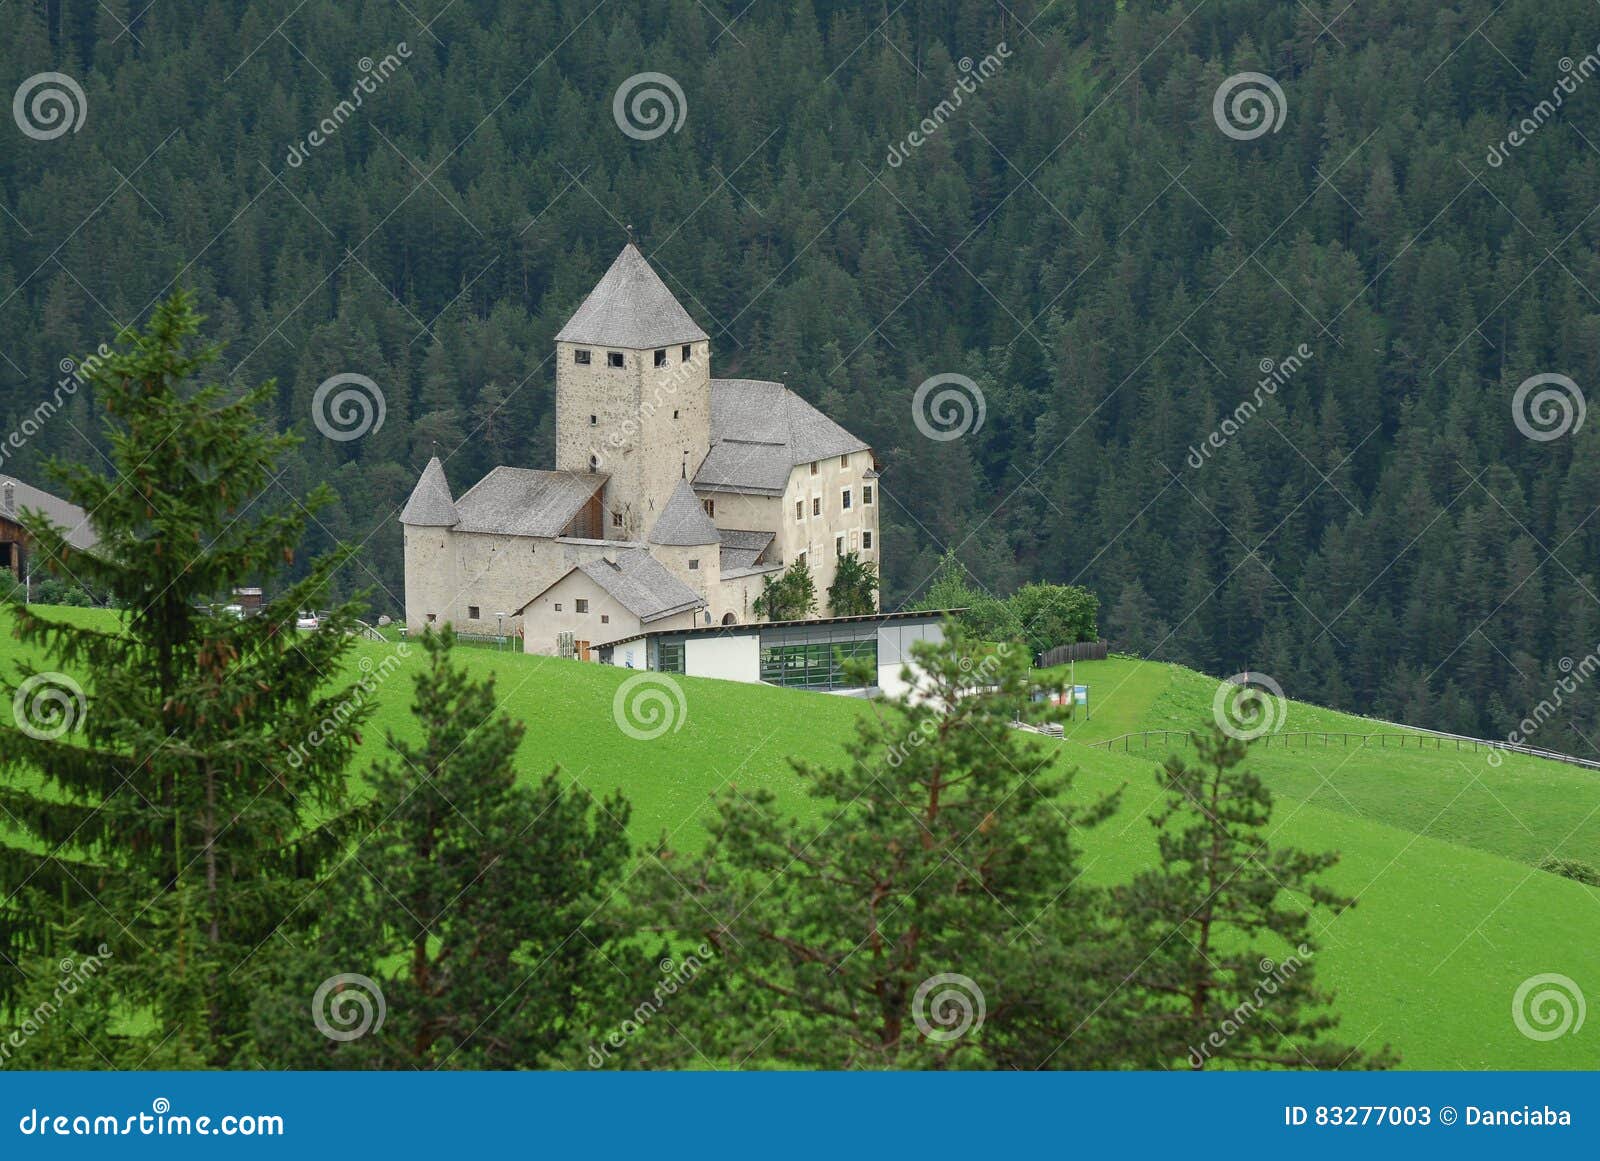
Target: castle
{"type": "Point", "coordinates": [674, 495]}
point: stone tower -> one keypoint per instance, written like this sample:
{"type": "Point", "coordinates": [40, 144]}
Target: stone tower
{"type": "Point", "coordinates": [633, 394]}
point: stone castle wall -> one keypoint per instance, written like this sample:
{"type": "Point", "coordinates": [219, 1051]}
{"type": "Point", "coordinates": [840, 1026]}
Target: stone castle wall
{"type": "Point", "coordinates": [634, 422]}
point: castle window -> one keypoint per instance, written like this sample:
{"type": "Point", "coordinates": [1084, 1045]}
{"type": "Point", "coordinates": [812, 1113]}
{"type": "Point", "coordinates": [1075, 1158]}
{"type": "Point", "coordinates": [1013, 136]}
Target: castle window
{"type": "Point", "coordinates": [844, 499]}
{"type": "Point", "coordinates": [661, 357]}
{"type": "Point", "coordinates": [581, 358]}
{"type": "Point", "coordinates": [558, 606]}
{"type": "Point", "coordinates": [866, 541]}
{"type": "Point", "coordinates": [866, 494]}
{"type": "Point", "coordinates": [432, 617]}
{"type": "Point", "coordinates": [694, 565]}
{"type": "Point", "coordinates": [580, 605]}
{"type": "Point", "coordinates": [710, 506]}
{"type": "Point", "coordinates": [674, 413]}
{"type": "Point", "coordinates": [605, 619]}
{"type": "Point", "coordinates": [799, 509]}
{"type": "Point", "coordinates": [687, 353]}
{"type": "Point", "coordinates": [844, 461]}
{"type": "Point", "coordinates": [472, 612]}
{"type": "Point", "coordinates": [616, 519]}
{"type": "Point", "coordinates": [838, 546]}
{"type": "Point", "coordinates": [813, 467]}
{"type": "Point", "coordinates": [594, 462]}
{"type": "Point", "coordinates": [593, 419]}
{"type": "Point", "coordinates": [816, 505]}
{"type": "Point", "coordinates": [613, 358]}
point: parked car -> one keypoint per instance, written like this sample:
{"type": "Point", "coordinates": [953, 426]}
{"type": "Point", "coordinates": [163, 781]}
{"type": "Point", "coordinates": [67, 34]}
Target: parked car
{"type": "Point", "coordinates": [306, 620]}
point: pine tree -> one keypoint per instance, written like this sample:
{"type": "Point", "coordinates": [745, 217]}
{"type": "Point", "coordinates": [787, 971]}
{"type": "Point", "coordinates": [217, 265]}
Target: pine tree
{"type": "Point", "coordinates": [191, 766]}
{"type": "Point", "coordinates": [474, 905]}
{"type": "Point", "coordinates": [931, 916]}
{"type": "Point", "coordinates": [1208, 989]}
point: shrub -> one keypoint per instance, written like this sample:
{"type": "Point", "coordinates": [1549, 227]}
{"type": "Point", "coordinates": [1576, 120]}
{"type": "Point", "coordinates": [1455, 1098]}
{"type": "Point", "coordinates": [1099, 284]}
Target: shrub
{"type": "Point", "coordinates": [1571, 869]}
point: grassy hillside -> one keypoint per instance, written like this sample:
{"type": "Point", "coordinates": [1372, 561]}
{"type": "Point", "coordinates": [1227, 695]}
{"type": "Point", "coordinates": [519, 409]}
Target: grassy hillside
{"type": "Point", "coordinates": [1438, 846]}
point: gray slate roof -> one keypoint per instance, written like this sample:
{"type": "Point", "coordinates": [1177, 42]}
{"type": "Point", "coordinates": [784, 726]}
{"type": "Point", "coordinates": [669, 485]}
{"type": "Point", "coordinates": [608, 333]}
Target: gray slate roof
{"type": "Point", "coordinates": [430, 505]}
{"type": "Point", "coordinates": [525, 502]}
{"type": "Point", "coordinates": [631, 307]}
{"type": "Point", "coordinates": [61, 512]}
{"type": "Point", "coordinates": [740, 548]}
{"type": "Point", "coordinates": [760, 431]}
{"type": "Point", "coordinates": [754, 570]}
{"type": "Point", "coordinates": [683, 521]}
{"type": "Point", "coordinates": [642, 585]}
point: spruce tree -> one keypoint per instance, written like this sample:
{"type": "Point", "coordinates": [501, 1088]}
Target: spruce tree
{"type": "Point", "coordinates": [1222, 931]}
{"type": "Point", "coordinates": [177, 779]}
{"type": "Point", "coordinates": [473, 907]}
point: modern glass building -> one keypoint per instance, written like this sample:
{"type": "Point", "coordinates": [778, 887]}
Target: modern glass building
{"type": "Point", "coordinates": [797, 654]}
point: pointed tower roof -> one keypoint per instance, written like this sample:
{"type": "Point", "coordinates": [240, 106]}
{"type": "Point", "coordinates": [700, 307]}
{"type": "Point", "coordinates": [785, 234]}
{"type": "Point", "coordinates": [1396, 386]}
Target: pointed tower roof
{"type": "Point", "coordinates": [631, 307]}
{"type": "Point", "coordinates": [430, 505]}
{"type": "Point", "coordinates": [684, 521]}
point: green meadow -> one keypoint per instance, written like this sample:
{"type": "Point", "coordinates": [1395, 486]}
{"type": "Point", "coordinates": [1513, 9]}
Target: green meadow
{"type": "Point", "coordinates": [1438, 846]}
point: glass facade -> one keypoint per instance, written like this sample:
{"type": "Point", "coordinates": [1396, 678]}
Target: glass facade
{"type": "Point", "coordinates": [814, 664]}
{"type": "Point", "coordinates": [669, 655]}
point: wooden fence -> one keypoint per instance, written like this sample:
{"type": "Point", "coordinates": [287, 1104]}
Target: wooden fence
{"type": "Point", "coordinates": [1077, 651]}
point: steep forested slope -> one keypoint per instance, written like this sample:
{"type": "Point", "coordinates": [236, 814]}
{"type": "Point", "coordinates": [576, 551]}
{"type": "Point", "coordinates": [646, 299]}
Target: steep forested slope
{"type": "Point", "coordinates": [1078, 237]}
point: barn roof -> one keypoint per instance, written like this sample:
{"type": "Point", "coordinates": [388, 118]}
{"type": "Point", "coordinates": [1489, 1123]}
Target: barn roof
{"type": "Point", "coordinates": [15, 496]}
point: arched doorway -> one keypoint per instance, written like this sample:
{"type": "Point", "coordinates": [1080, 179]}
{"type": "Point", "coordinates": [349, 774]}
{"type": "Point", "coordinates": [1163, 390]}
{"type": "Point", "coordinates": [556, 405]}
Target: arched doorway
{"type": "Point", "coordinates": [729, 619]}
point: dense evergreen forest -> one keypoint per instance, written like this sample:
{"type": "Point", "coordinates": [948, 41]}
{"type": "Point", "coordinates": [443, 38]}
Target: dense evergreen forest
{"type": "Point", "coordinates": [1078, 237]}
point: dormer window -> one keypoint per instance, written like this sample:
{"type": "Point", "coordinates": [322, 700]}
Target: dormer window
{"type": "Point", "coordinates": [581, 357]}
{"type": "Point", "coordinates": [661, 357]}
{"type": "Point", "coordinates": [613, 358]}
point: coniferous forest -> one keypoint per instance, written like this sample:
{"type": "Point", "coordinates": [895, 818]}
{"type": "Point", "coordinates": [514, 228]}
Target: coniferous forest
{"type": "Point", "coordinates": [1377, 275]}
